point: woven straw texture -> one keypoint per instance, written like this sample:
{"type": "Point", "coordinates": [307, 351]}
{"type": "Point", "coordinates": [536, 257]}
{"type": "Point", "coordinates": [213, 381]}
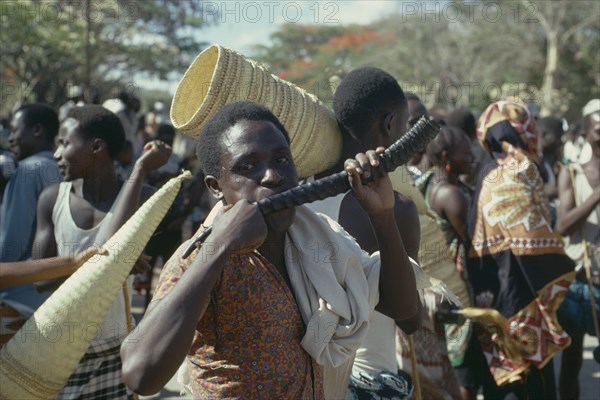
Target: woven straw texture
{"type": "Point", "coordinates": [37, 362]}
{"type": "Point", "coordinates": [219, 76]}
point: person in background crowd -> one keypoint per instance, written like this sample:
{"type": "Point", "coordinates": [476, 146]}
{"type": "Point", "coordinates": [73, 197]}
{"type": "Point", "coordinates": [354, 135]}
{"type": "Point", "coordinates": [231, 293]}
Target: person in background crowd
{"type": "Point", "coordinates": [168, 234]}
{"type": "Point", "coordinates": [8, 163]}
{"type": "Point", "coordinates": [371, 110]}
{"type": "Point", "coordinates": [575, 143]}
{"type": "Point", "coordinates": [416, 110]}
{"type": "Point", "coordinates": [8, 166]}
{"type": "Point", "coordinates": [127, 106]}
{"type": "Point", "coordinates": [124, 161]}
{"type": "Point", "coordinates": [550, 131]}
{"type": "Point", "coordinates": [445, 194]}
{"type": "Point", "coordinates": [463, 118]}
{"type": "Point", "coordinates": [33, 129]}
{"type": "Point", "coordinates": [141, 135]}
{"type": "Point", "coordinates": [154, 118]}
{"type": "Point", "coordinates": [578, 221]}
{"type": "Point", "coordinates": [75, 99]}
{"type": "Point", "coordinates": [448, 200]}
{"type": "Point", "coordinates": [92, 95]}
{"type": "Point", "coordinates": [130, 120]}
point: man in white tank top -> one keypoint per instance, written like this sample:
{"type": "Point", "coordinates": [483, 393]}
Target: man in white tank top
{"type": "Point", "coordinates": [84, 211]}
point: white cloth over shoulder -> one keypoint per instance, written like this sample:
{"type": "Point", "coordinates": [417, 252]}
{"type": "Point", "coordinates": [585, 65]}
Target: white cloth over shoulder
{"type": "Point", "coordinates": [336, 285]}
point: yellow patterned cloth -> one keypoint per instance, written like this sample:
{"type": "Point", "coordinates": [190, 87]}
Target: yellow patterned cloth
{"type": "Point", "coordinates": [512, 210]}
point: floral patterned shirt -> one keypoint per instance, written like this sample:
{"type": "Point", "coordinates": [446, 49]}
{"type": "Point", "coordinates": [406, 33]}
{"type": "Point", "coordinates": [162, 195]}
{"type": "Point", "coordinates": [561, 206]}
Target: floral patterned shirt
{"type": "Point", "coordinates": [247, 343]}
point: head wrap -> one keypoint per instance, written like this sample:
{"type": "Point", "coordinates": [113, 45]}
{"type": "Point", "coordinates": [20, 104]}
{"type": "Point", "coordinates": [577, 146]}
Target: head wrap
{"type": "Point", "coordinates": [507, 121]}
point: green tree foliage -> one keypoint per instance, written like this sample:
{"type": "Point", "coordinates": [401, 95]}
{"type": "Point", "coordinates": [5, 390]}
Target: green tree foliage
{"type": "Point", "coordinates": [456, 52]}
{"type": "Point", "coordinates": [49, 45]}
{"type": "Point", "coordinates": [309, 55]}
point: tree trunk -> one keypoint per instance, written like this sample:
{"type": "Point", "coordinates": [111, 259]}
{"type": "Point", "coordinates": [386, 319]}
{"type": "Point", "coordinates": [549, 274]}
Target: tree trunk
{"type": "Point", "coordinates": [548, 103]}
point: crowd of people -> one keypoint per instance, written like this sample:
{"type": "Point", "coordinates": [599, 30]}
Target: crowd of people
{"type": "Point", "coordinates": [503, 208]}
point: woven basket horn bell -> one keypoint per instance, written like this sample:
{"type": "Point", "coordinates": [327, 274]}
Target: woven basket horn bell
{"type": "Point", "coordinates": [219, 76]}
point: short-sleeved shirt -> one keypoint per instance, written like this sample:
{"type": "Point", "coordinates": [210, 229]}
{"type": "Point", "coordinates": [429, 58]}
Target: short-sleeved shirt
{"type": "Point", "coordinates": [247, 343]}
{"type": "Point", "coordinates": [18, 221]}
{"type": "Point", "coordinates": [18, 212]}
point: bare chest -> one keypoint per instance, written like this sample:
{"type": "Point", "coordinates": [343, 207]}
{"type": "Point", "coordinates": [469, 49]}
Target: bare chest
{"type": "Point", "coordinates": [87, 215]}
{"type": "Point", "coordinates": [592, 173]}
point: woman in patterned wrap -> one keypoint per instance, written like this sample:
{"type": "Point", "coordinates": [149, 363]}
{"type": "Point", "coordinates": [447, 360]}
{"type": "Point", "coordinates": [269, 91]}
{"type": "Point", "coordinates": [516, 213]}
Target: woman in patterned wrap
{"type": "Point", "coordinates": [516, 263]}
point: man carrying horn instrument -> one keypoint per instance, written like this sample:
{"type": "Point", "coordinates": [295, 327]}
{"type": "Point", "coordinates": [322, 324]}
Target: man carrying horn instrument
{"type": "Point", "coordinates": [267, 301]}
{"type": "Point", "coordinates": [85, 211]}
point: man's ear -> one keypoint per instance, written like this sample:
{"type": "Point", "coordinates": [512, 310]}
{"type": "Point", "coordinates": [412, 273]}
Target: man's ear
{"type": "Point", "coordinates": [98, 145]}
{"type": "Point", "coordinates": [212, 184]}
{"type": "Point", "coordinates": [39, 131]}
{"type": "Point", "coordinates": [388, 123]}
{"type": "Point", "coordinates": [444, 157]}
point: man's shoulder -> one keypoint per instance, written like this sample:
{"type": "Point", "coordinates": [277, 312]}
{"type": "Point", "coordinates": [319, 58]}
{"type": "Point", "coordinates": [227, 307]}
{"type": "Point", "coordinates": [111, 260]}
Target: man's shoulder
{"type": "Point", "coordinates": [41, 165]}
{"type": "Point", "coordinates": [39, 162]}
{"type": "Point", "coordinates": [43, 157]}
{"type": "Point", "coordinates": [51, 191]}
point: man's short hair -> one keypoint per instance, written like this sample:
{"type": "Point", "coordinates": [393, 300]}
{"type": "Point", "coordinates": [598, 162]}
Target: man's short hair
{"type": "Point", "coordinates": [98, 122]}
{"type": "Point", "coordinates": [364, 96]}
{"type": "Point", "coordinates": [551, 125]}
{"type": "Point", "coordinates": [165, 130]}
{"type": "Point", "coordinates": [42, 114]}
{"type": "Point", "coordinates": [446, 139]}
{"type": "Point", "coordinates": [210, 150]}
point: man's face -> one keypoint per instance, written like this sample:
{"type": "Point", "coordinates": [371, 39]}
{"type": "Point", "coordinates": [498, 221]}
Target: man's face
{"type": "Point", "coordinates": [549, 141]}
{"type": "Point", "coordinates": [257, 163]}
{"type": "Point", "coordinates": [22, 138]}
{"type": "Point", "coordinates": [73, 154]}
{"type": "Point", "coordinates": [592, 133]}
{"type": "Point", "coordinates": [399, 125]}
{"type": "Point", "coordinates": [461, 156]}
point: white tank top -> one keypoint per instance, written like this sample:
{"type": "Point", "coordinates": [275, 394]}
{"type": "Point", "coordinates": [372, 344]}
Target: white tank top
{"type": "Point", "coordinates": [70, 240]}
{"type": "Point", "coordinates": [377, 353]}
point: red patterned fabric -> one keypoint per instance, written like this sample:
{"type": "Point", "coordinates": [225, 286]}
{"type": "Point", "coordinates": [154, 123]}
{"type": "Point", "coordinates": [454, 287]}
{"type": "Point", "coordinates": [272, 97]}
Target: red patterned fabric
{"type": "Point", "coordinates": [536, 329]}
{"type": "Point", "coordinates": [247, 344]}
